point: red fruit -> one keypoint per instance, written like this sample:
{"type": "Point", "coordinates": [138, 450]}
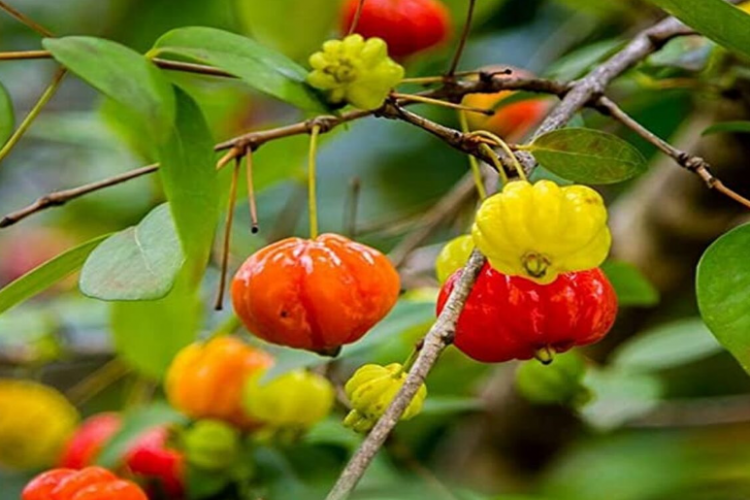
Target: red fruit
{"type": "Point", "coordinates": [509, 317]}
{"type": "Point", "coordinates": [91, 483]}
{"type": "Point", "coordinates": [407, 26]}
{"type": "Point", "coordinates": [88, 440]}
{"type": "Point", "coordinates": [151, 458]}
{"type": "Point", "coordinates": [314, 294]}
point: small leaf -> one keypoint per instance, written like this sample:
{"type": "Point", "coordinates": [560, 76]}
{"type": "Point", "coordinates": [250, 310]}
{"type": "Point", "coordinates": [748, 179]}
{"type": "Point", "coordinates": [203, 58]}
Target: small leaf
{"type": "Point", "coordinates": [588, 156]}
{"type": "Point", "coordinates": [148, 334]}
{"type": "Point", "coordinates": [7, 115]}
{"type": "Point", "coordinates": [258, 66]}
{"type": "Point", "coordinates": [723, 288]}
{"type": "Point", "coordinates": [716, 19]}
{"type": "Point", "coordinates": [139, 263]}
{"type": "Point", "coordinates": [190, 182]}
{"type": "Point", "coordinates": [633, 289]}
{"type": "Point", "coordinates": [134, 425]}
{"type": "Point", "coordinates": [619, 396]}
{"type": "Point", "coordinates": [732, 127]}
{"type": "Point", "coordinates": [46, 275]}
{"type": "Point", "coordinates": [668, 346]}
{"type": "Point", "coordinates": [122, 74]}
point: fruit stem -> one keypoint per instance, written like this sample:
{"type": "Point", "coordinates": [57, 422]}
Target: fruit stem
{"type": "Point", "coordinates": [438, 102]}
{"type": "Point", "coordinates": [462, 40]}
{"type": "Point", "coordinates": [311, 187]}
{"type": "Point", "coordinates": [219, 305]}
{"type": "Point", "coordinates": [412, 358]}
{"type": "Point", "coordinates": [545, 355]}
{"type": "Point", "coordinates": [504, 146]}
{"type": "Point", "coordinates": [254, 228]}
{"type": "Point", "coordinates": [473, 163]}
{"type": "Point", "coordinates": [496, 161]}
{"type": "Point", "coordinates": [357, 16]}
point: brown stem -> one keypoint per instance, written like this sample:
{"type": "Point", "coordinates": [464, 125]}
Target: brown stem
{"type": "Point", "coordinates": [357, 16]}
{"type": "Point", "coordinates": [462, 40]}
{"type": "Point", "coordinates": [254, 228]}
{"type": "Point", "coordinates": [25, 54]}
{"type": "Point", "coordinates": [25, 20]}
{"type": "Point", "coordinates": [219, 305]}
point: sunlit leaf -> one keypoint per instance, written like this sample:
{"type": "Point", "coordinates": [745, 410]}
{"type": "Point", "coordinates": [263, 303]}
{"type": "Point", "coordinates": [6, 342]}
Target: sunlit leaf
{"type": "Point", "coordinates": [7, 115]}
{"type": "Point", "coordinates": [633, 289]}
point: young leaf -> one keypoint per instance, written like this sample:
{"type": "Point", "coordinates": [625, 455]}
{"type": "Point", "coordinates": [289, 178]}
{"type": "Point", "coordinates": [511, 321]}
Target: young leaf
{"type": "Point", "coordinates": [46, 275]}
{"type": "Point", "coordinates": [731, 127]}
{"type": "Point", "coordinates": [148, 334]}
{"type": "Point", "coordinates": [258, 66]}
{"type": "Point", "coordinates": [7, 116]}
{"type": "Point", "coordinates": [139, 263]}
{"type": "Point", "coordinates": [190, 181]}
{"type": "Point", "coordinates": [633, 289]}
{"type": "Point", "coordinates": [134, 424]}
{"type": "Point", "coordinates": [587, 155]}
{"type": "Point", "coordinates": [667, 346]}
{"type": "Point", "coordinates": [121, 74]}
{"type": "Point", "coordinates": [717, 19]}
{"type": "Point", "coordinates": [723, 288]}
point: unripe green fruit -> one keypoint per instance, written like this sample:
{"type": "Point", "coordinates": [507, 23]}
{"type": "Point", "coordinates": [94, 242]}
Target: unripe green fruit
{"type": "Point", "coordinates": [211, 444]}
{"type": "Point", "coordinates": [454, 255]}
{"type": "Point", "coordinates": [557, 383]}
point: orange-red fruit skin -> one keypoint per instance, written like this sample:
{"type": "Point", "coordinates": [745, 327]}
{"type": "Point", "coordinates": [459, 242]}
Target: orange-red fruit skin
{"type": "Point", "coordinates": [314, 294]}
{"type": "Point", "coordinates": [205, 380]}
{"type": "Point", "coordinates": [151, 458]}
{"type": "Point", "coordinates": [91, 483]}
{"type": "Point", "coordinates": [88, 440]}
{"type": "Point", "coordinates": [407, 26]}
{"type": "Point", "coordinates": [509, 317]}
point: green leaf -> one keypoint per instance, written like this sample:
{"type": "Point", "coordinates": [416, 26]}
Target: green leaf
{"type": "Point", "coordinates": [293, 27]}
{"type": "Point", "coordinates": [619, 396]}
{"type": "Point", "coordinates": [633, 289]}
{"type": "Point", "coordinates": [134, 424]}
{"type": "Point", "coordinates": [716, 19]}
{"type": "Point", "coordinates": [448, 405]}
{"type": "Point", "coordinates": [405, 315]}
{"type": "Point", "coordinates": [723, 287]}
{"type": "Point", "coordinates": [580, 61]}
{"type": "Point", "coordinates": [732, 127]}
{"type": "Point", "coordinates": [139, 263]}
{"type": "Point", "coordinates": [189, 175]}
{"type": "Point", "coordinates": [667, 346]}
{"type": "Point", "coordinates": [148, 334]}
{"type": "Point", "coordinates": [7, 115]}
{"type": "Point", "coordinates": [122, 74]}
{"type": "Point", "coordinates": [258, 66]}
{"type": "Point", "coordinates": [587, 155]}
{"type": "Point", "coordinates": [46, 275]}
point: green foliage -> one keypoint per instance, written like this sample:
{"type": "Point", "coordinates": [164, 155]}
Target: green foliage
{"type": "Point", "coordinates": [588, 156]}
{"type": "Point", "coordinates": [46, 275]}
{"type": "Point", "coordinates": [723, 287]}
{"type": "Point", "coordinates": [716, 19]}
{"type": "Point", "coordinates": [559, 382]}
{"type": "Point", "coordinates": [148, 334]}
{"type": "Point", "coordinates": [293, 27]}
{"type": "Point", "coordinates": [633, 289]}
{"type": "Point", "coordinates": [190, 183]}
{"type": "Point", "coordinates": [258, 66]}
{"type": "Point", "coordinates": [7, 115]}
{"type": "Point", "coordinates": [730, 127]}
{"type": "Point", "coordinates": [139, 263]}
{"type": "Point", "coordinates": [122, 75]}
{"type": "Point", "coordinates": [668, 346]}
{"type": "Point", "coordinates": [134, 424]}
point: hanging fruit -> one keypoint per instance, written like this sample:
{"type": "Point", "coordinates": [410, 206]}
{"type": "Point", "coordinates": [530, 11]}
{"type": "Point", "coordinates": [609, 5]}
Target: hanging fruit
{"type": "Point", "coordinates": [509, 317]}
{"type": "Point", "coordinates": [89, 439]}
{"type": "Point", "coordinates": [152, 459]}
{"type": "Point", "coordinates": [316, 294]}
{"type": "Point", "coordinates": [91, 483]}
{"type": "Point", "coordinates": [453, 256]}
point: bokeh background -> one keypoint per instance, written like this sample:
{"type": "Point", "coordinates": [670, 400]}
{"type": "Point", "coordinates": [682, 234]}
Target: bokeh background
{"type": "Point", "coordinates": [672, 414]}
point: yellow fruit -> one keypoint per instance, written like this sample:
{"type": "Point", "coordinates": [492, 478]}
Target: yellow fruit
{"type": "Point", "coordinates": [453, 256]}
{"type": "Point", "coordinates": [35, 423]}
{"type": "Point", "coordinates": [355, 71]}
{"type": "Point", "coordinates": [371, 389]}
{"type": "Point", "coordinates": [295, 400]}
{"type": "Point", "coordinates": [539, 231]}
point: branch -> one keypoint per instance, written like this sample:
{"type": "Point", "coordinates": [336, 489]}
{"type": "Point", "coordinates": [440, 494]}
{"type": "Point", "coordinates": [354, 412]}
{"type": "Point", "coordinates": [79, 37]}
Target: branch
{"type": "Point", "coordinates": [438, 338]}
{"type": "Point", "coordinates": [25, 20]}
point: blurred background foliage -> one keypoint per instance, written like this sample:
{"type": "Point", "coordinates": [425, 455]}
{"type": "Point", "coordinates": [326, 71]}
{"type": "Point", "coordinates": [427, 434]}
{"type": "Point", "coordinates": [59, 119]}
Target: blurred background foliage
{"type": "Point", "coordinates": [670, 412]}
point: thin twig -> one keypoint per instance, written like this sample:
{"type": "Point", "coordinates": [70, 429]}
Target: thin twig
{"type": "Point", "coordinates": [219, 304]}
{"type": "Point", "coordinates": [25, 54]}
{"type": "Point", "coordinates": [26, 123]}
{"type": "Point", "coordinates": [96, 382]}
{"type": "Point", "coordinates": [440, 335]}
{"type": "Point", "coordinates": [25, 20]}
{"type": "Point", "coordinates": [437, 102]}
{"type": "Point", "coordinates": [462, 40]}
{"type": "Point", "coordinates": [59, 198]}
{"type": "Point", "coordinates": [254, 225]}
{"type": "Point", "coordinates": [357, 16]}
